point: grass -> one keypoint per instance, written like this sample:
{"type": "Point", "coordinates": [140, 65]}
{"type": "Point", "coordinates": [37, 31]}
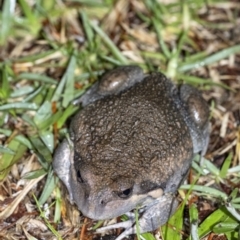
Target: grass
{"type": "Point", "coordinates": [51, 52]}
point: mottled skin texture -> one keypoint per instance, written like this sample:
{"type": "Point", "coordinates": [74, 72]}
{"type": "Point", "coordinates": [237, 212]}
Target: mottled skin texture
{"type": "Point", "coordinates": [132, 147]}
{"type": "Point", "coordinates": [119, 135]}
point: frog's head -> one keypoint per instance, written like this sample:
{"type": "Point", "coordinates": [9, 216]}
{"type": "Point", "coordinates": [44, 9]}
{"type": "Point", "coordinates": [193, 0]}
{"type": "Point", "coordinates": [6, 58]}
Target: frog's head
{"type": "Point", "coordinates": [99, 197]}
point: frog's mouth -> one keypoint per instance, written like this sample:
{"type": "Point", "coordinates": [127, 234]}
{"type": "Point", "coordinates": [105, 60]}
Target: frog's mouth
{"type": "Point", "coordinates": [98, 208]}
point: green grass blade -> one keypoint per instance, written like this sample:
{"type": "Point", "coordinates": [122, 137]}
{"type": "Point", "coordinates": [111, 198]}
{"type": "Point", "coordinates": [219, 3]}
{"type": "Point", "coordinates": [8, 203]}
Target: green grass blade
{"type": "Point", "coordinates": [22, 91]}
{"type": "Point", "coordinates": [48, 139]}
{"type": "Point", "coordinates": [193, 212]}
{"type": "Point", "coordinates": [66, 77]}
{"type": "Point", "coordinates": [35, 174]}
{"type": "Point", "coordinates": [43, 215]}
{"type": "Point", "coordinates": [226, 166]}
{"type": "Point", "coordinates": [71, 109]}
{"type": "Point", "coordinates": [48, 188]}
{"type": "Point", "coordinates": [68, 94]}
{"type": "Point", "coordinates": [57, 212]}
{"type": "Point", "coordinates": [115, 51]}
{"type": "Point", "coordinates": [88, 29]}
{"type": "Point", "coordinates": [211, 59]}
{"type": "Point", "coordinates": [172, 229]}
{"type": "Point", "coordinates": [41, 148]}
{"type": "Point", "coordinates": [4, 84]}
{"type": "Point", "coordinates": [205, 190]}
{"type": "Point", "coordinates": [207, 225]}
{"type": "Point", "coordinates": [8, 159]}
{"type": "Point", "coordinates": [19, 105]}
{"type": "Point", "coordinates": [37, 77]}
{"type": "Point", "coordinates": [7, 19]}
{"type": "Point", "coordinates": [157, 26]}
{"type": "Point", "coordinates": [31, 17]}
{"type": "Point", "coordinates": [6, 150]}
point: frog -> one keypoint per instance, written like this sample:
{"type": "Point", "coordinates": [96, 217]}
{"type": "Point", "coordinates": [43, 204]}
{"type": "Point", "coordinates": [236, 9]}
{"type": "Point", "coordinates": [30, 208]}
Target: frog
{"type": "Point", "coordinates": [131, 146]}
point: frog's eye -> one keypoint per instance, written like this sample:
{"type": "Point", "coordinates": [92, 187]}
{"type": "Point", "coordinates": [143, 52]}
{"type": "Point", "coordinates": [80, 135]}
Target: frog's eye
{"type": "Point", "coordinates": [79, 176]}
{"type": "Point", "coordinates": [125, 193]}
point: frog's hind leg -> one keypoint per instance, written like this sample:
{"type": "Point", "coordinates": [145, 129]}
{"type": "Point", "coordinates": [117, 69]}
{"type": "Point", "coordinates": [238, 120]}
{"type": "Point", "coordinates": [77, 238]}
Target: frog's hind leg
{"type": "Point", "coordinates": [151, 218]}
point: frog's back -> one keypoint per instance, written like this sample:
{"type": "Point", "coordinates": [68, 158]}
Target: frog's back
{"type": "Point", "coordinates": [134, 133]}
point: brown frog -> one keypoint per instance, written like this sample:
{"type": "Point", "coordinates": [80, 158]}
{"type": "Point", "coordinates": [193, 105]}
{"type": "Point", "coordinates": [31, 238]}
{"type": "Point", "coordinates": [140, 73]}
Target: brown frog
{"type": "Point", "coordinates": [131, 147]}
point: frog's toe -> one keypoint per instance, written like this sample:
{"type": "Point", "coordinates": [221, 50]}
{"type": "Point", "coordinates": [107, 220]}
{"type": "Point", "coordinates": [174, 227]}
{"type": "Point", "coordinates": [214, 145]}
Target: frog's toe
{"type": "Point", "coordinates": [126, 225]}
{"type": "Point", "coordinates": [126, 233]}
